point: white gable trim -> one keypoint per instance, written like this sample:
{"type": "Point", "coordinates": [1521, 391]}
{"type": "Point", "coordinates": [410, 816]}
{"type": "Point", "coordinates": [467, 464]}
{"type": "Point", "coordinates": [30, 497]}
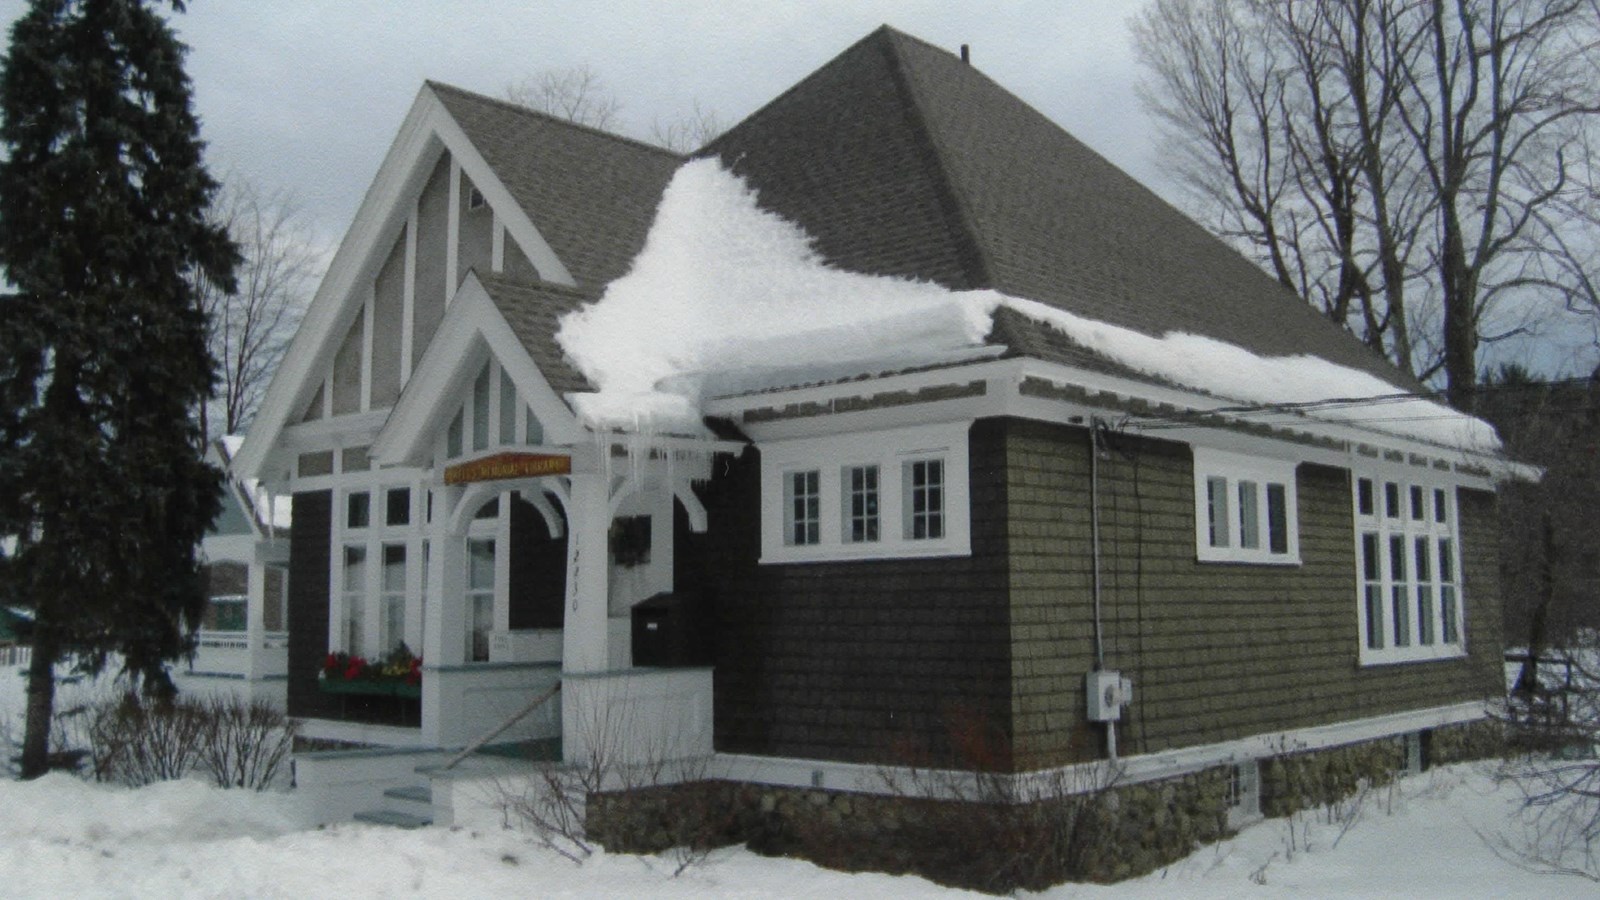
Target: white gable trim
{"type": "Point", "coordinates": [471, 332]}
{"type": "Point", "coordinates": [428, 131]}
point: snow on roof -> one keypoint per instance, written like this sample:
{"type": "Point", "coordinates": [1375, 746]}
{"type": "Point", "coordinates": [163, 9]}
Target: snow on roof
{"type": "Point", "coordinates": [728, 293]}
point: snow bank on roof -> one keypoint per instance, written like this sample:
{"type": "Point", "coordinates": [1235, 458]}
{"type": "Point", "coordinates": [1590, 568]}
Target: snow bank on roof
{"type": "Point", "coordinates": [725, 293]}
{"type": "Point", "coordinates": [724, 285]}
{"type": "Point", "coordinates": [1234, 373]}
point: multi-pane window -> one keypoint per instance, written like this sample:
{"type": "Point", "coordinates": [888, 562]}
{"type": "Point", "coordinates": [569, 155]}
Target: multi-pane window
{"type": "Point", "coordinates": [1242, 793]}
{"type": "Point", "coordinates": [1217, 530]}
{"type": "Point", "coordinates": [354, 595]}
{"type": "Point", "coordinates": [924, 506]}
{"type": "Point", "coordinates": [803, 501]}
{"type": "Point", "coordinates": [860, 504]}
{"type": "Point", "coordinates": [397, 506]}
{"type": "Point", "coordinates": [1372, 590]}
{"type": "Point", "coordinates": [1409, 601]}
{"type": "Point", "coordinates": [480, 598]}
{"type": "Point", "coordinates": [392, 601]}
{"type": "Point", "coordinates": [357, 509]}
{"type": "Point", "coordinates": [1244, 509]}
{"type": "Point", "coordinates": [373, 583]}
{"type": "Point", "coordinates": [897, 493]}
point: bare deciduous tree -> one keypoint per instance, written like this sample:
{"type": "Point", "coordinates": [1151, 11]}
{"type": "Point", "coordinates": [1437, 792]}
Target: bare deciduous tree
{"type": "Point", "coordinates": [575, 93]}
{"type": "Point", "coordinates": [578, 94]}
{"type": "Point", "coordinates": [1418, 169]}
{"type": "Point", "coordinates": [251, 328]}
{"type": "Point", "coordinates": [688, 134]}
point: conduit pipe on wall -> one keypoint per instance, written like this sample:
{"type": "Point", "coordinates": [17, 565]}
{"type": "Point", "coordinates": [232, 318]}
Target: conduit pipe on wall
{"type": "Point", "coordinates": [1096, 426]}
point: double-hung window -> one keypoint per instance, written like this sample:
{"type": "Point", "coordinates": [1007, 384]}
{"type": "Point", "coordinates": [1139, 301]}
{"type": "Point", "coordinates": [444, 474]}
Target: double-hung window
{"type": "Point", "coordinates": [861, 524]}
{"type": "Point", "coordinates": [803, 501]}
{"type": "Point", "coordinates": [1408, 593]}
{"type": "Point", "coordinates": [1245, 509]}
{"type": "Point", "coordinates": [886, 494]}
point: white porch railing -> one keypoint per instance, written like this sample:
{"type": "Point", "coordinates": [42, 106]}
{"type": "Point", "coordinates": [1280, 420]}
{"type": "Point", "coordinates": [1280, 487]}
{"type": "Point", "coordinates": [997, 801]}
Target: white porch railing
{"type": "Point", "coordinates": [231, 653]}
{"type": "Point", "coordinates": [15, 656]}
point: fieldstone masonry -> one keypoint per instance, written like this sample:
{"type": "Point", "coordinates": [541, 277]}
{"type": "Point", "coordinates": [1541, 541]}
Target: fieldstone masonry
{"type": "Point", "coordinates": [1107, 835]}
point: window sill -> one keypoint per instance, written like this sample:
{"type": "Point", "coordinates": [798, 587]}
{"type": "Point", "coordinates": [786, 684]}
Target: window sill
{"type": "Point", "coordinates": [1275, 561]}
{"type": "Point", "coordinates": [865, 552]}
{"type": "Point", "coordinates": [1374, 658]}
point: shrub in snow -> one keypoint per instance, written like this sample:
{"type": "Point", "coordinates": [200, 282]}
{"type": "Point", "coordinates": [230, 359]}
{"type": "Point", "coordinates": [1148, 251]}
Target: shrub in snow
{"type": "Point", "coordinates": [246, 742]}
{"type": "Point", "coordinates": [136, 741]}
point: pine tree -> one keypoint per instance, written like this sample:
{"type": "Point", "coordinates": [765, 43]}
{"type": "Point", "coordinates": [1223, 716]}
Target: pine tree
{"type": "Point", "coordinates": [104, 493]}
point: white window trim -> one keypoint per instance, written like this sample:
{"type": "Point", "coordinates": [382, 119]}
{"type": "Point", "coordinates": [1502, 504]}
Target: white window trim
{"type": "Point", "coordinates": [1237, 467]}
{"type": "Point", "coordinates": [1410, 529]}
{"type": "Point", "coordinates": [889, 450]}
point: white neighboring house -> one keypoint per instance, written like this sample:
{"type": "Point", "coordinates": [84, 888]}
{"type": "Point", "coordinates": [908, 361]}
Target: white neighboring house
{"type": "Point", "coordinates": [244, 637]}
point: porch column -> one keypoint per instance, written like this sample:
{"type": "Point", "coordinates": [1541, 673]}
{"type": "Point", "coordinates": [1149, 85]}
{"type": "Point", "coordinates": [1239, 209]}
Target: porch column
{"type": "Point", "coordinates": [584, 644]}
{"type": "Point", "coordinates": [444, 618]}
{"type": "Point", "coordinates": [255, 618]}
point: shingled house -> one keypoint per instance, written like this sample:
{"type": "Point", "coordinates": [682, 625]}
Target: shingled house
{"type": "Point", "coordinates": [1039, 551]}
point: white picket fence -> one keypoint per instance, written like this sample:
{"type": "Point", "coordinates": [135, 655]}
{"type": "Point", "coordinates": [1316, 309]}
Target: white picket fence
{"type": "Point", "coordinates": [15, 656]}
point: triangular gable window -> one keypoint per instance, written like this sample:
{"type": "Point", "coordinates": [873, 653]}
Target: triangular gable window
{"type": "Point", "coordinates": [492, 415]}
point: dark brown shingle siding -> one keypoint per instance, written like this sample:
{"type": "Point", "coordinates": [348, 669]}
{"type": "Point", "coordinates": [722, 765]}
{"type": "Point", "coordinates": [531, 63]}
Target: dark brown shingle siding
{"type": "Point", "coordinates": [872, 662]}
{"type": "Point", "coordinates": [1216, 652]}
{"type": "Point", "coordinates": [309, 561]}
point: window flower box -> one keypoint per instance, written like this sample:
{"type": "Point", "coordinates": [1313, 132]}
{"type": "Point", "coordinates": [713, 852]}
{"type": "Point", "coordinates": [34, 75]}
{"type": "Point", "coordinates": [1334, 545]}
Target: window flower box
{"type": "Point", "coordinates": [398, 675]}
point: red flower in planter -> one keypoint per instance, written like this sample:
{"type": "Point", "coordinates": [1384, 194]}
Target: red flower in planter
{"type": "Point", "coordinates": [356, 669]}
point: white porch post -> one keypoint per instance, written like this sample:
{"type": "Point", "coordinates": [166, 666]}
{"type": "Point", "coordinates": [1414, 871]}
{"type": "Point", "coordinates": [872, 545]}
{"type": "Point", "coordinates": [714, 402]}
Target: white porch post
{"type": "Point", "coordinates": [584, 645]}
{"type": "Point", "coordinates": [255, 628]}
{"type": "Point", "coordinates": [444, 631]}
{"type": "Point", "coordinates": [584, 635]}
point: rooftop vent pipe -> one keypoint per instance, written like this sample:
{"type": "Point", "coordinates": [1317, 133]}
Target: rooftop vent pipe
{"type": "Point", "coordinates": [966, 54]}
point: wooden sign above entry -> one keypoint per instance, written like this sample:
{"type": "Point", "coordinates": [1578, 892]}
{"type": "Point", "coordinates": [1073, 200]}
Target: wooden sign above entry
{"type": "Point", "coordinates": [508, 465]}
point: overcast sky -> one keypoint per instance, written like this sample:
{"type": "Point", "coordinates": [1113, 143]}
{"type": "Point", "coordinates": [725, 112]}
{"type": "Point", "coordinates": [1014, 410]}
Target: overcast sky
{"type": "Point", "coordinates": [305, 96]}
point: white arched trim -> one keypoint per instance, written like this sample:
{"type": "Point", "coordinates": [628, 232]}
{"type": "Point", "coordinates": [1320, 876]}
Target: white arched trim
{"type": "Point", "coordinates": [552, 519]}
{"type": "Point", "coordinates": [683, 491]}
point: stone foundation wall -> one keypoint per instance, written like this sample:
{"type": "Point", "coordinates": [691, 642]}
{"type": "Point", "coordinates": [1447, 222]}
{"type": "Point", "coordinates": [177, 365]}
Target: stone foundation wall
{"type": "Point", "coordinates": [987, 845]}
{"type": "Point", "coordinates": [1473, 740]}
{"type": "Point", "coordinates": [997, 843]}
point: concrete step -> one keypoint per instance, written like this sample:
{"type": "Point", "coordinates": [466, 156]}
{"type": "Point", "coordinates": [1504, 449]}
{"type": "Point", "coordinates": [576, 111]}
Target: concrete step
{"type": "Point", "coordinates": [415, 793]}
{"type": "Point", "coordinates": [393, 818]}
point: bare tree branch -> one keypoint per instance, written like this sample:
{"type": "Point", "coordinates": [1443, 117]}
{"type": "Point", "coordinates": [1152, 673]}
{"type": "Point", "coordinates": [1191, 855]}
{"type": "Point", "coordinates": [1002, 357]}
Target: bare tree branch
{"type": "Point", "coordinates": [1420, 170]}
{"type": "Point", "coordinates": [250, 328]}
{"type": "Point", "coordinates": [575, 93]}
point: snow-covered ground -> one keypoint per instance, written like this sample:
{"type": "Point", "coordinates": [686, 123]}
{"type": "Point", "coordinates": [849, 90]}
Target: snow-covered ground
{"type": "Point", "coordinates": [1429, 836]}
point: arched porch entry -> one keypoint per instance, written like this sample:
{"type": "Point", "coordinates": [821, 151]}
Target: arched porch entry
{"type": "Point", "coordinates": [538, 561]}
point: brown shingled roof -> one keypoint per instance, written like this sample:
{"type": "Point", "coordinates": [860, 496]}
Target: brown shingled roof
{"type": "Point", "coordinates": [899, 159]}
{"type": "Point", "coordinates": [533, 311]}
{"type": "Point", "coordinates": [591, 194]}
